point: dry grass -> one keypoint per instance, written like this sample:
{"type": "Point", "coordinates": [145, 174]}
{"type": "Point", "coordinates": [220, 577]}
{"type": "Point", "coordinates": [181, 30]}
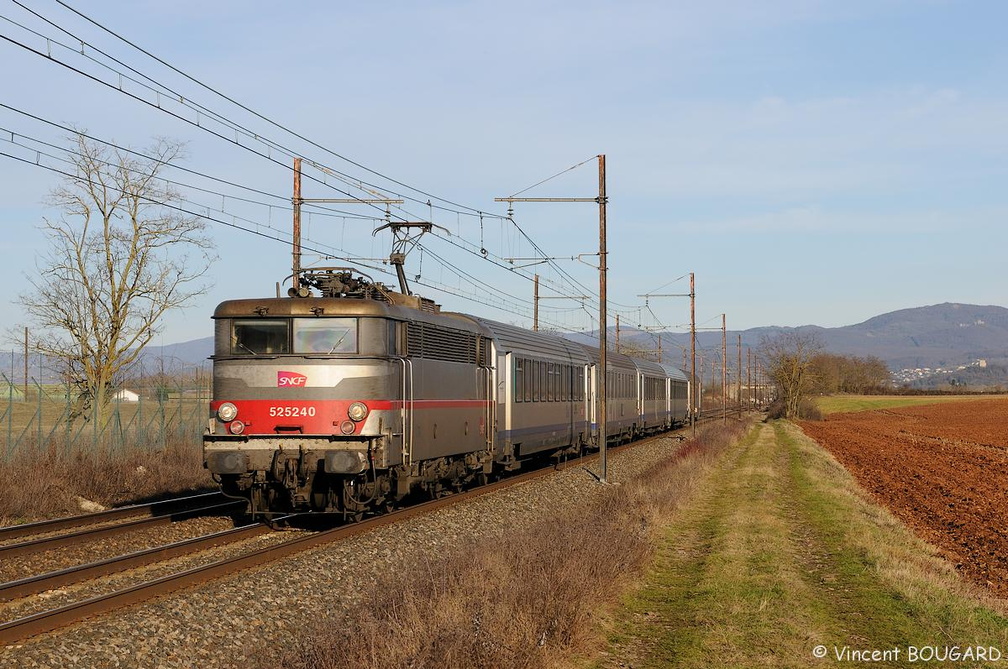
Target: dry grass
{"type": "Point", "coordinates": [780, 552]}
{"type": "Point", "coordinates": [47, 482]}
{"type": "Point", "coordinates": [526, 600]}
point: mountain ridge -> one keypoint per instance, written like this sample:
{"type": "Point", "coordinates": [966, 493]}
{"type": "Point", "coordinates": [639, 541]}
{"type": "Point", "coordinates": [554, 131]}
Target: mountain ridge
{"type": "Point", "coordinates": [945, 335]}
{"type": "Point", "coordinates": [949, 334]}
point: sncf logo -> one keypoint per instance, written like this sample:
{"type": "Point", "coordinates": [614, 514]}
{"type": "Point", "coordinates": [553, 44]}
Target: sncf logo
{"type": "Point", "coordinates": [291, 379]}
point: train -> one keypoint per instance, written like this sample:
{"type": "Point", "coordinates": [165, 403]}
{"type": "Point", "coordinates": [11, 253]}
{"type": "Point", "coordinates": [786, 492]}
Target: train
{"type": "Point", "coordinates": [351, 397]}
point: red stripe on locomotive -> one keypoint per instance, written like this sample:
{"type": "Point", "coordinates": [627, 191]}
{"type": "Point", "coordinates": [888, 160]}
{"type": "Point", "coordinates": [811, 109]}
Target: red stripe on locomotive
{"type": "Point", "coordinates": [324, 417]}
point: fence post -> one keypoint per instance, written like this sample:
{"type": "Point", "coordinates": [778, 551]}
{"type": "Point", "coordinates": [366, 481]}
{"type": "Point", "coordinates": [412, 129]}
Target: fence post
{"type": "Point", "coordinates": [10, 420]}
{"type": "Point", "coordinates": [117, 427]}
{"type": "Point", "coordinates": [68, 412]}
{"type": "Point", "coordinates": [94, 424]}
{"type": "Point", "coordinates": [162, 400]}
{"type": "Point", "coordinates": [38, 388]}
{"type": "Point", "coordinates": [140, 437]}
{"type": "Point", "coordinates": [181, 409]}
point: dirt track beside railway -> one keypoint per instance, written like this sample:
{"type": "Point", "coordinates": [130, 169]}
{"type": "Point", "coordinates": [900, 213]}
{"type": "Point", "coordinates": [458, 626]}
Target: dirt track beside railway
{"type": "Point", "coordinates": [942, 469]}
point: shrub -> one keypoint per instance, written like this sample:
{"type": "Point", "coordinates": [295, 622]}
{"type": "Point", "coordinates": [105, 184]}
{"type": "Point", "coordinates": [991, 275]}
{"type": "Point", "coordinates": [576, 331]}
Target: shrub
{"type": "Point", "coordinates": [50, 480]}
{"type": "Point", "coordinates": [523, 600]}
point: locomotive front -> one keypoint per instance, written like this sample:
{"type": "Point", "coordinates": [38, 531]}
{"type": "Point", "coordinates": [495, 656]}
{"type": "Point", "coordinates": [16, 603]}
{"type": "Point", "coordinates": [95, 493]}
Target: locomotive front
{"type": "Point", "coordinates": [307, 403]}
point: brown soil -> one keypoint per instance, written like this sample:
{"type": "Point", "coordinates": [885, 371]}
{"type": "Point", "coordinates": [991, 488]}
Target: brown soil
{"type": "Point", "coordinates": [942, 469]}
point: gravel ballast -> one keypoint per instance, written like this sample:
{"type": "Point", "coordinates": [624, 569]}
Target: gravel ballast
{"type": "Point", "coordinates": [257, 613]}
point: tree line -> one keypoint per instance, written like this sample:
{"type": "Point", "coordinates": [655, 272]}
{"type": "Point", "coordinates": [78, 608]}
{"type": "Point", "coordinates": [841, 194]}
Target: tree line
{"type": "Point", "coordinates": [799, 368]}
{"type": "Point", "coordinates": [832, 374]}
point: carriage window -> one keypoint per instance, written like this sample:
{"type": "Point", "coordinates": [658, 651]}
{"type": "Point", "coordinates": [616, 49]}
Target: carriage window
{"type": "Point", "coordinates": [543, 381]}
{"type": "Point", "coordinates": [325, 335]}
{"type": "Point", "coordinates": [519, 391]}
{"type": "Point", "coordinates": [534, 372]}
{"type": "Point", "coordinates": [259, 337]}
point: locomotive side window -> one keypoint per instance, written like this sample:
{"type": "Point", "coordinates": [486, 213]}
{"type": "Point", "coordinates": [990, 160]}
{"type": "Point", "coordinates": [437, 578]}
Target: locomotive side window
{"type": "Point", "coordinates": [325, 335]}
{"type": "Point", "coordinates": [259, 336]}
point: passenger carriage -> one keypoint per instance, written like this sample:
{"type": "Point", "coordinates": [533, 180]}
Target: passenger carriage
{"type": "Point", "coordinates": [348, 402]}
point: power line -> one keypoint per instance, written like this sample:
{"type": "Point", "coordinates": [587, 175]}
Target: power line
{"type": "Point", "coordinates": [239, 130]}
{"type": "Point", "coordinates": [159, 89]}
{"type": "Point", "coordinates": [309, 245]}
{"type": "Point", "coordinates": [260, 116]}
{"type": "Point", "coordinates": [236, 127]}
{"type": "Point", "coordinates": [224, 120]}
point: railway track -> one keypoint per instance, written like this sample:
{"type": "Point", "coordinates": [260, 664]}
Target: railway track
{"type": "Point", "coordinates": [76, 523]}
{"type": "Point", "coordinates": [55, 579]}
{"type": "Point", "coordinates": [56, 618]}
{"type": "Point", "coordinates": [89, 533]}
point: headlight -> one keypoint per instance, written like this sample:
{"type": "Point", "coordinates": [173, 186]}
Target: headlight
{"type": "Point", "coordinates": [347, 427]}
{"type": "Point", "coordinates": [357, 412]}
{"type": "Point", "coordinates": [237, 427]}
{"type": "Point", "coordinates": [226, 412]}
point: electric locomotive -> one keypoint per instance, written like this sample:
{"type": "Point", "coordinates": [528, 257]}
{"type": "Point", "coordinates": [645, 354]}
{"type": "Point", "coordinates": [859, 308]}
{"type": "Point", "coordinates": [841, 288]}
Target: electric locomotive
{"type": "Point", "coordinates": [317, 405]}
{"type": "Point", "coordinates": [348, 401]}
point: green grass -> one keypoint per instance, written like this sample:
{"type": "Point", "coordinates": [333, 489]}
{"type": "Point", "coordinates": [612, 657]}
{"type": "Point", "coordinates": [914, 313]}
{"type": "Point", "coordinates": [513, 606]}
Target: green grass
{"type": "Point", "coordinates": [849, 403]}
{"type": "Point", "coordinates": [781, 552]}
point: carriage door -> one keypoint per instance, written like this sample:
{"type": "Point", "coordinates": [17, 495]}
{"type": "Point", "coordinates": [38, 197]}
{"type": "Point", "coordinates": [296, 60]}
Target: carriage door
{"type": "Point", "coordinates": [489, 383]}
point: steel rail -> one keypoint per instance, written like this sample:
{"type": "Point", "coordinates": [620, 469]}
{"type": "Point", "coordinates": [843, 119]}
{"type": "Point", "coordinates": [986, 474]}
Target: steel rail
{"type": "Point", "coordinates": [148, 509]}
{"type": "Point", "coordinates": [48, 621]}
{"type": "Point", "coordinates": [49, 543]}
{"type": "Point", "coordinates": [54, 579]}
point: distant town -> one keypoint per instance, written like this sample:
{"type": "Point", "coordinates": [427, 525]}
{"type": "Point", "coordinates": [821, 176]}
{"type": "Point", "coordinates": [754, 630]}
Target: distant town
{"type": "Point", "coordinates": [931, 376]}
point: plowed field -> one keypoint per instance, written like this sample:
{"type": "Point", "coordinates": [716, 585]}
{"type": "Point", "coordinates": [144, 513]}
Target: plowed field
{"type": "Point", "coordinates": [942, 469]}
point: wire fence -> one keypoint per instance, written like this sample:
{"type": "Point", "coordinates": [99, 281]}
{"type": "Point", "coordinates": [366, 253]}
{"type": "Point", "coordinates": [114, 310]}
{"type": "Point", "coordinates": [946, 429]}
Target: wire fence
{"type": "Point", "coordinates": [50, 416]}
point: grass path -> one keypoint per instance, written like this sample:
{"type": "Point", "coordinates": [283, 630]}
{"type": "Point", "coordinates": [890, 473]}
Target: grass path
{"type": "Point", "coordinates": [780, 552]}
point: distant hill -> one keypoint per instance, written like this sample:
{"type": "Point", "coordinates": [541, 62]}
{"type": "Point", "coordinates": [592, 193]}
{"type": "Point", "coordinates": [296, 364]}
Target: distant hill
{"type": "Point", "coordinates": [185, 355]}
{"type": "Point", "coordinates": [938, 336]}
{"type": "Point", "coordinates": [942, 335]}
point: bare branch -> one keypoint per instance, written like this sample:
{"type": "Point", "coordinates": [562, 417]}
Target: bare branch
{"type": "Point", "coordinates": [117, 261]}
{"type": "Point", "coordinates": [788, 360]}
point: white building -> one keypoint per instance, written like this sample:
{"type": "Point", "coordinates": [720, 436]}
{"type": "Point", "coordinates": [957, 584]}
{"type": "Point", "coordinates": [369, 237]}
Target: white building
{"type": "Point", "coordinates": [125, 395]}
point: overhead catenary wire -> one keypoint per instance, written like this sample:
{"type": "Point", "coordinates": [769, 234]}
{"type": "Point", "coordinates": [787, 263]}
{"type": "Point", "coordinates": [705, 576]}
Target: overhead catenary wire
{"type": "Point", "coordinates": [158, 87]}
{"type": "Point", "coordinates": [468, 209]}
{"type": "Point", "coordinates": [156, 105]}
{"type": "Point", "coordinates": [290, 153]}
{"type": "Point", "coordinates": [309, 245]}
{"type": "Point", "coordinates": [70, 130]}
{"type": "Point", "coordinates": [558, 174]}
{"type": "Point", "coordinates": [232, 125]}
{"type": "Point", "coordinates": [161, 89]}
{"type": "Point", "coordinates": [179, 184]}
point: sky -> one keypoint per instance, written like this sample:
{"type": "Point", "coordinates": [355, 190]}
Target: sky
{"type": "Point", "coordinates": [810, 162]}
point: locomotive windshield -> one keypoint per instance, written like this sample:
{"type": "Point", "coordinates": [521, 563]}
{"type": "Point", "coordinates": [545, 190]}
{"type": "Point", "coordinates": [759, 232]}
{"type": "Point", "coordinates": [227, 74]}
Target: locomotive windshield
{"type": "Point", "coordinates": [263, 336]}
{"type": "Point", "coordinates": [325, 335]}
{"type": "Point", "coordinates": [259, 337]}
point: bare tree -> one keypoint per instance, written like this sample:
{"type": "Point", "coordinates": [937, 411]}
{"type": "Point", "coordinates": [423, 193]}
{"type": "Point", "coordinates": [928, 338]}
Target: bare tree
{"type": "Point", "coordinates": [119, 258]}
{"type": "Point", "coordinates": [787, 359]}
